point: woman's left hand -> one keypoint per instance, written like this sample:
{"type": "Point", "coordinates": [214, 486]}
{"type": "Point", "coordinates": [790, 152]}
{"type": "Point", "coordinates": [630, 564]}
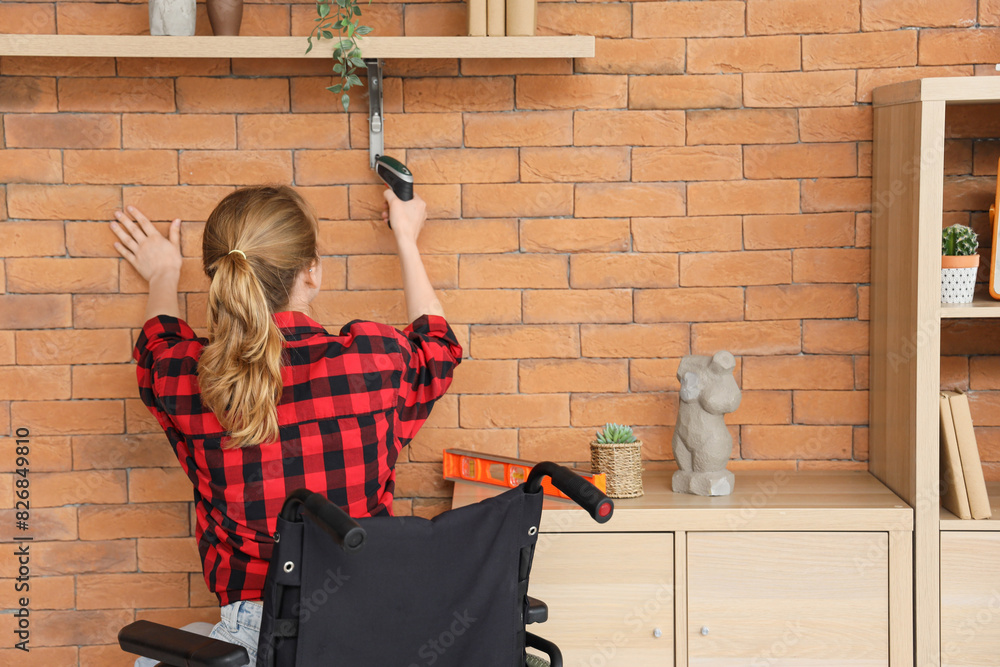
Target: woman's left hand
{"type": "Point", "coordinates": [152, 254]}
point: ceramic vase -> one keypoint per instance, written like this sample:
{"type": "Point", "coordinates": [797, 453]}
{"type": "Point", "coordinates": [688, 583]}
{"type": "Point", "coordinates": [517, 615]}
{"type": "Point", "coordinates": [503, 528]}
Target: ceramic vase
{"type": "Point", "coordinates": [171, 17]}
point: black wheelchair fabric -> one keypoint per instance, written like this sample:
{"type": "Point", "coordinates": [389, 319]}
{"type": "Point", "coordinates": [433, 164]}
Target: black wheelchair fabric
{"type": "Point", "coordinates": [445, 592]}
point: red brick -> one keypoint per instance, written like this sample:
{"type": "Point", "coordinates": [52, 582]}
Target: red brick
{"type": "Point", "coordinates": [43, 275]}
{"type": "Point", "coordinates": [24, 94]}
{"type": "Point", "coordinates": [745, 268]}
{"type": "Point", "coordinates": [309, 95]}
{"type": "Point", "coordinates": [633, 409]}
{"type": "Point", "coordinates": [687, 163]}
{"type": "Point", "coordinates": [801, 161]}
{"type": "Point", "coordinates": [62, 131]}
{"type": "Point", "coordinates": [628, 128]}
{"type": "Point", "coordinates": [443, 201]}
{"type": "Point", "coordinates": [601, 20]}
{"type": "Point", "coordinates": [187, 202]}
{"type": "Point", "coordinates": [690, 304]}
{"type": "Point", "coordinates": [685, 91]}
{"type": "Point", "coordinates": [73, 628]}
{"type": "Point", "coordinates": [212, 95]}
{"type": "Point", "coordinates": [459, 94]}
{"type": "Point", "coordinates": [24, 19]}
{"type": "Point", "coordinates": [72, 346]}
{"type": "Point", "coordinates": [276, 131]}
{"type": "Point", "coordinates": [384, 19]}
{"type": "Point", "coordinates": [688, 234]}
{"type": "Point", "coordinates": [572, 165]}
{"type": "Point", "coordinates": [476, 376]}
{"type": "Point", "coordinates": [101, 19]}
{"type": "Point", "coordinates": [795, 441]}
{"type": "Point", "coordinates": [36, 311]}
{"type": "Point", "coordinates": [589, 271]}
{"type": "Point", "coordinates": [584, 91]}
{"type": "Point", "coordinates": [688, 19]}
{"type": "Point", "coordinates": [54, 489]}
{"type": "Point", "coordinates": [574, 375]}
{"type": "Point", "coordinates": [532, 128]}
{"type": "Point", "coordinates": [214, 131]}
{"type": "Point", "coordinates": [799, 89]}
{"type": "Point", "coordinates": [513, 271]}
{"type": "Point", "coordinates": [569, 306]}
{"type": "Point", "coordinates": [798, 372]}
{"type": "Point", "coordinates": [747, 338]}
{"type": "Point", "coordinates": [836, 124]}
{"type": "Point", "coordinates": [517, 199]}
{"type": "Point", "coordinates": [780, 302]}
{"type": "Point", "coordinates": [893, 14]}
{"type": "Point", "coordinates": [114, 167]}
{"type": "Point", "coordinates": [334, 309]}
{"type": "Point", "coordinates": [104, 381]}
{"type": "Point", "coordinates": [505, 66]}
{"type": "Point", "coordinates": [744, 54]}
{"type": "Point", "coordinates": [571, 235]}
{"type": "Point", "coordinates": [835, 337]}
{"type": "Point", "coordinates": [7, 348]}
{"type": "Point", "coordinates": [332, 167]}
{"type": "Point", "coordinates": [383, 272]}
{"type": "Point", "coordinates": [869, 79]}
{"type": "Point", "coordinates": [104, 591]}
{"type": "Point", "coordinates": [30, 166]}
{"type": "Point", "coordinates": [463, 165]}
{"type": "Point", "coordinates": [836, 194]}
{"type": "Point", "coordinates": [633, 56]}
{"type": "Point", "coordinates": [959, 46]}
{"type": "Point", "coordinates": [111, 522]}
{"type": "Point", "coordinates": [555, 444]}
{"type": "Point", "coordinates": [525, 342]}
{"type": "Point", "coordinates": [34, 383]}
{"type": "Point", "coordinates": [634, 340]}
{"type": "Point", "coordinates": [955, 373]}
{"type": "Point", "coordinates": [132, 95]}
{"type": "Point", "coordinates": [412, 130]}
{"type": "Point", "coordinates": [831, 265]}
{"type": "Point", "coordinates": [515, 411]}
{"type": "Point", "coordinates": [771, 232]}
{"type": "Point", "coordinates": [63, 202]}
{"type": "Point", "coordinates": [869, 49]}
{"type": "Point", "coordinates": [102, 452]}
{"type": "Point", "coordinates": [45, 593]}
{"type": "Point", "coordinates": [763, 407]}
{"type": "Point", "coordinates": [171, 67]}
{"type": "Point", "coordinates": [32, 239]}
{"type": "Point", "coordinates": [430, 442]}
{"type": "Point", "coordinates": [768, 17]}
{"type": "Point", "coordinates": [169, 554]}
{"type": "Point", "coordinates": [46, 524]}
{"type": "Point", "coordinates": [985, 407]}
{"type": "Point", "coordinates": [750, 126]}
{"type": "Point", "coordinates": [69, 417]}
{"type": "Point", "coordinates": [599, 200]}
{"type": "Point", "coordinates": [421, 479]}
{"type": "Point", "coordinates": [653, 375]}
{"type": "Point", "coordinates": [831, 407]}
{"type": "Point", "coordinates": [243, 167]}
{"type": "Point", "coordinates": [746, 197]}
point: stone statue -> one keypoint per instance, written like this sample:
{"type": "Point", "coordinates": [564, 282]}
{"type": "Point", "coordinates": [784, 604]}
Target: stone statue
{"type": "Point", "coordinates": [702, 444]}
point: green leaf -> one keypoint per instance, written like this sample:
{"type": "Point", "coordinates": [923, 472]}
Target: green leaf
{"type": "Point", "coordinates": [357, 10]}
{"type": "Point", "coordinates": [346, 101]}
{"type": "Point", "coordinates": [327, 34]}
{"type": "Point", "coordinates": [338, 68]}
{"type": "Point", "coordinates": [334, 89]}
{"type": "Point", "coordinates": [310, 48]}
{"type": "Point", "coordinates": [350, 30]}
{"type": "Point", "coordinates": [358, 62]}
{"type": "Point", "coordinates": [338, 54]}
{"type": "Point", "coordinates": [353, 80]}
{"type": "Point", "coordinates": [363, 30]}
{"type": "Point", "coordinates": [323, 9]}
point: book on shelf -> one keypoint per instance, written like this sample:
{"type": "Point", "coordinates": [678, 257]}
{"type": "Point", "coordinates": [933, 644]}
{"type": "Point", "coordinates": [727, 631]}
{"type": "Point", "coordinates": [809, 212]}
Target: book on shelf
{"type": "Point", "coordinates": [522, 17]}
{"type": "Point", "coordinates": [954, 496]}
{"type": "Point", "coordinates": [496, 18]}
{"type": "Point", "coordinates": [477, 18]}
{"type": "Point", "coordinates": [968, 450]}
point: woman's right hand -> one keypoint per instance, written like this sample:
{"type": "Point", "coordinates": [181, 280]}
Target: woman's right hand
{"type": "Point", "coordinates": [405, 217]}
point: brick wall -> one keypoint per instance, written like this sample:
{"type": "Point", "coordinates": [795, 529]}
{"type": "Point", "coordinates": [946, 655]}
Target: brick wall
{"type": "Point", "coordinates": [703, 183]}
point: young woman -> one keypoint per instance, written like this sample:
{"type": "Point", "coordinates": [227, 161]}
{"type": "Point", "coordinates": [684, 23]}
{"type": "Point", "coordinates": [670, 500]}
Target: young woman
{"type": "Point", "coordinates": [271, 402]}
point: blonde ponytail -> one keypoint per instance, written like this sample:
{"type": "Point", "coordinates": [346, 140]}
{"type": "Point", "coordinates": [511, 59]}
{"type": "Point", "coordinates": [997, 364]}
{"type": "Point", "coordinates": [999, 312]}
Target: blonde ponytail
{"type": "Point", "coordinates": [255, 243]}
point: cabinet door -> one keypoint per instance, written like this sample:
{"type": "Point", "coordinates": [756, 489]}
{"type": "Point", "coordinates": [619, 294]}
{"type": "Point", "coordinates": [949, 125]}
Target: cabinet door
{"type": "Point", "coordinates": [970, 598]}
{"type": "Point", "coordinates": [788, 599]}
{"type": "Point", "coordinates": [607, 594]}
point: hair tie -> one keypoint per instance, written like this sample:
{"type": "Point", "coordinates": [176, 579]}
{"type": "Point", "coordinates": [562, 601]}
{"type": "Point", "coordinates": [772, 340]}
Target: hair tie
{"type": "Point", "coordinates": [239, 251]}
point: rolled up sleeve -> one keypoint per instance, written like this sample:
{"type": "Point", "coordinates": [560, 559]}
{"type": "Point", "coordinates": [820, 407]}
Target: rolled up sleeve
{"type": "Point", "coordinates": [431, 352]}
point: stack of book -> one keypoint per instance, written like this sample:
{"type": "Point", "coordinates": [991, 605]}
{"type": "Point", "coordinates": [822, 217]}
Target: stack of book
{"type": "Point", "coordinates": [963, 485]}
{"type": "Point", "coordinates": [497, 18]}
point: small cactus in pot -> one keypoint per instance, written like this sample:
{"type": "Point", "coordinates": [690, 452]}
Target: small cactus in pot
{"type": "Point", "coordinates": [959, 264]}
{"type": "Point", "coordinates": [617, 453]}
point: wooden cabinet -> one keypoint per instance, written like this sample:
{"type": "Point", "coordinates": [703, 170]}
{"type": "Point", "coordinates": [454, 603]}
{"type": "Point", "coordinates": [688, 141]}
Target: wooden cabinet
{"type": "Point", "coordinates": [791, 570]}
{"type": "Point", "coordinates": [970, 598]}
{"type": "Point", "coordinates": [788, 599]}
{"type": "Point", "coordinates": [610, 596]}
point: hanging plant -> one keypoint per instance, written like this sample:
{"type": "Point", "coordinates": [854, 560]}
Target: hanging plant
{"type": "Point", "coordinates": [340, 19]}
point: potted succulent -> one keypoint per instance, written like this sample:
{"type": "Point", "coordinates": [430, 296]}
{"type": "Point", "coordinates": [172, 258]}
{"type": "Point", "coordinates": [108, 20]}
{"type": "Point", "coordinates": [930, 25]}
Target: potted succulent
{"type": "Point", "coordinates": [959, 264]}
{"type": "Point", "coordinates": [618, 454]}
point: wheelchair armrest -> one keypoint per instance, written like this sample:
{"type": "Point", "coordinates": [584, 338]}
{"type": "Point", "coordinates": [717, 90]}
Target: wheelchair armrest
{"type": "Point", "coordinates": [546, 647]}
{"type": "Point", "coordinates": [344, 530]}
{"type": "Point", "coordinates": [538, 611]}
{"type": "Point", "coordinates": [179, 648]}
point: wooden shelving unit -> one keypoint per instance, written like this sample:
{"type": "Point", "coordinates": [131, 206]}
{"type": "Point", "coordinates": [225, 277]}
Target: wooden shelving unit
{"type": "Point", "coordinates": [125, 46]}
{"type": "Point", "coordinates": [906, 315]}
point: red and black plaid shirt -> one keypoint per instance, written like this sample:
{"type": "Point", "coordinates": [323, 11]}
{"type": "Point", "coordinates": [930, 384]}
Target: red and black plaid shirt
{"type": "Point", "coordinates": [349, 404]}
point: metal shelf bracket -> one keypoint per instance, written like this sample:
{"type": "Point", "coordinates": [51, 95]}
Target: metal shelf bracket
{"type": "Point", "coordinates": [376, 138]}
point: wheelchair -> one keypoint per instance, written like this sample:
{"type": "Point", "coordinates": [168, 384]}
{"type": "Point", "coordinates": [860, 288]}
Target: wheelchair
{"type": "Point", "coordinates": [393, 591]}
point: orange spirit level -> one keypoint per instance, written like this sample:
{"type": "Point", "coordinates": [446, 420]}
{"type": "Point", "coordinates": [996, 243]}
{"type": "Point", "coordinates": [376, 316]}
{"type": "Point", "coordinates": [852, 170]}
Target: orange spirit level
{"type": "Point", "coordinates": [465, 466]}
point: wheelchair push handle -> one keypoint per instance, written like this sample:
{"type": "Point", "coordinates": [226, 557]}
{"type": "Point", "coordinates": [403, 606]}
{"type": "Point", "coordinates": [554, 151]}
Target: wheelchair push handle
{"type": "Point", "coordinates": [344, 530]}
{"type": "Point", "coordinates": [582, 492]}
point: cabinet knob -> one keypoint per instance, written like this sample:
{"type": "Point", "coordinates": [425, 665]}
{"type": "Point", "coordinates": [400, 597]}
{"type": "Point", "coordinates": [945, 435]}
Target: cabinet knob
{"type": "Point", "coordinates": [657, 633]}
{"type": "Point", "coordinates": [704, 630]}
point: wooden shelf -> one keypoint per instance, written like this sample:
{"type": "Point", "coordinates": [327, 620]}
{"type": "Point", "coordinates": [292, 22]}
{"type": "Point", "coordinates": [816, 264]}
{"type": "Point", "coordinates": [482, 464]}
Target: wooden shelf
{"type": "Point", "coordinates": [951, 522]}
{"type": "Point", "coordinates": [956, 90]}
{"type": "Point", "coordinates": [983, 305]}
{"type": "Point", "coordinates": [145, 46]}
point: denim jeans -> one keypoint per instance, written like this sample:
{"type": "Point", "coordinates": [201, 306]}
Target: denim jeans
{"type": "Point", "coordinates": [240, 624]}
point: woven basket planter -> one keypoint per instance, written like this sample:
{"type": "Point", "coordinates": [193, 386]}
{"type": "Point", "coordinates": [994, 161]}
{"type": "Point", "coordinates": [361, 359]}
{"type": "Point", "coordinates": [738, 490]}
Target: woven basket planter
{"type": "Point", "coordinates": [622, 464]}
{"type": "Point", "coordinates": [958, 278]}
